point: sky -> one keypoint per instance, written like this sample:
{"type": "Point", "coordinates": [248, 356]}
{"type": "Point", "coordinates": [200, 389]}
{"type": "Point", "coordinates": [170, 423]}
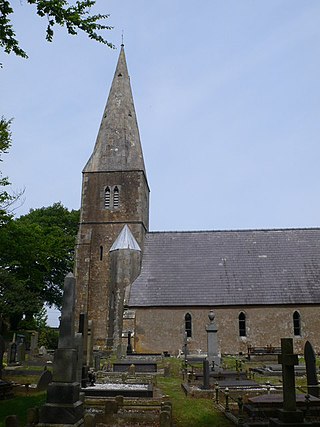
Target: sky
{"type": "Point", "coordinates": [227, 95]}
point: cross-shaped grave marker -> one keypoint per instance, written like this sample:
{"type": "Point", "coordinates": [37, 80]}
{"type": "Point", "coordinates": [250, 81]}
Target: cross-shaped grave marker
{"type": "Point", "coordinates": [288, 360]}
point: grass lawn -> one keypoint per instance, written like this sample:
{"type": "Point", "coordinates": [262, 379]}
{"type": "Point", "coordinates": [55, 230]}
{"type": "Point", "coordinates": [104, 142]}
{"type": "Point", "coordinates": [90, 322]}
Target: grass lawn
{"type": "Point", "coordinates": [191, 412]}
{"type": "Point", "coordinates": [19, 405]}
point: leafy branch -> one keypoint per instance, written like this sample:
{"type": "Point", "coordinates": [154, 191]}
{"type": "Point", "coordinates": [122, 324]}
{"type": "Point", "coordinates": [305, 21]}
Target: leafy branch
{"type": "Point", "coordinates": [58, 12]}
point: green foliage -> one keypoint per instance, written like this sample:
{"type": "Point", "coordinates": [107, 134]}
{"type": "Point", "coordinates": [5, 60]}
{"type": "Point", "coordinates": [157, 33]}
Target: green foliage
{"type": "Point", "coordinates": [58, 12]}
{"type": "Point", "coordinates": [5, 142]}
{"type": "Point", "coordinates": [49, 338]}
{"type": "Point", "coordinates": [36, 252]}
{"type": "Point", "coordinates": [19, 406]}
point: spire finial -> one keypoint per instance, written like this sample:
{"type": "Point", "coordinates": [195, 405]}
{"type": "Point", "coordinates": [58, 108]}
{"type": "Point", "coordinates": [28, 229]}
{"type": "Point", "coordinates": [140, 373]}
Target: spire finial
{"type": "Point", "coordinates": [122, 44]}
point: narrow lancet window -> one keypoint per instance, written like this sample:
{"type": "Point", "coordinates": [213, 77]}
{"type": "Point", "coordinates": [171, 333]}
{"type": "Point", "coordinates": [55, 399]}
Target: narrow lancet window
{"type": "Point", "coordinates": [116, 197]}
{"type": "Point", "coordinates": [107, 194]}
{"type": "Point", "coordinates": [296, 324]}
{"type": "Point", "coordinates": [242, 325]}
{"type": "Point", "coordinates": [188, 325]}
{"type": "Point", "coordinates": [101, 253]}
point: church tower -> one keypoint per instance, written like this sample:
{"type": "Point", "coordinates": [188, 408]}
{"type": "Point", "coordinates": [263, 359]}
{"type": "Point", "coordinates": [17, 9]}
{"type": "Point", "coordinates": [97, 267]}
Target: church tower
{"type": "Point", "coordinates": [115, 194]}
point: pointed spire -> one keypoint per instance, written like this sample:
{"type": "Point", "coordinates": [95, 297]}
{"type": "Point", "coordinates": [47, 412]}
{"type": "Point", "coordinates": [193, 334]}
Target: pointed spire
{"type": "Point", "coordinates": [118, 145]}
{"type": "Point", "coordinates": [125, 240]}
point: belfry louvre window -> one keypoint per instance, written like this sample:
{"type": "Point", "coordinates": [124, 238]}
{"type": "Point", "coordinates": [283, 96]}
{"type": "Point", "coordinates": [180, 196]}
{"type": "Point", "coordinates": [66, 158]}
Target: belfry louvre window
{"type": "Point", "coordinates": [116, 197]}
{"type": "Point", "coordinates": [296, 324]}
{"type": "Point", "coordinates": [242, 325]}
{"type": "Point", "coordinates": [188, 325]}
{"type": "Point", "coordinates": [111, 197]}
{"type": "Point", "coordinates": [107, 194]}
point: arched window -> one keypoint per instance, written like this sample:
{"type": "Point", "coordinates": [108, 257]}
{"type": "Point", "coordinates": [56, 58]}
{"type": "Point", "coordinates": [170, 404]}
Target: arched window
{"type": "Point", "coordinates": [116, 197]}
{"type": "Point", "coordinates": [242, 325]}
{"type": "Point", "coordinates": [296, 324]}
{"type": "Point", "coordinates": [107, 194]}
{"type": "Point", "coordinates": [188, 324]}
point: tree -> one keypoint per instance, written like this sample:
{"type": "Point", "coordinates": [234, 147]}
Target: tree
{"type": "Point", "coordinates": [58, 12]}
{"type": "Point", "coordinates": [36, 252]}
{"type": "Point", "coordinates": [7, 199]}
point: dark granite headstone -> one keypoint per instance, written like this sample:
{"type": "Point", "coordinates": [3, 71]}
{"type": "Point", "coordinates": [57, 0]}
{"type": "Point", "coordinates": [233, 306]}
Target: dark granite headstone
{"type": "Point", "coordinates": [44, 380]}
{"type": "Point", "coordinates": [129, 346]}
{"type": "Point", "coordinates": [311, 368]}
{"type": "Point", "coordinates": [206, 374]}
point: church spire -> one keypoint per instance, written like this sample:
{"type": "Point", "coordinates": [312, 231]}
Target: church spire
{"type": "Point", "coordinates": [118, 146]}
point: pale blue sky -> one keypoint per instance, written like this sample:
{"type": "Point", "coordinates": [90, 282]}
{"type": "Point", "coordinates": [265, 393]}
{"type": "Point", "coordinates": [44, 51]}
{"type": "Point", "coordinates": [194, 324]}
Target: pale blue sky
{"type": "Point", "coordinates": [227, 96]}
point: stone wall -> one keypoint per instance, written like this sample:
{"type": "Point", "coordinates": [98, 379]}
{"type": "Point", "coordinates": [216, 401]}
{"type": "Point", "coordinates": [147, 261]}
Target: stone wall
{"type": "Point", "coordinates": [162, 329]}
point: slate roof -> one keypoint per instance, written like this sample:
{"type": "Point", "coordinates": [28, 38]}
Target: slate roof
{"type": "Point", "coordinates": [249, 267]}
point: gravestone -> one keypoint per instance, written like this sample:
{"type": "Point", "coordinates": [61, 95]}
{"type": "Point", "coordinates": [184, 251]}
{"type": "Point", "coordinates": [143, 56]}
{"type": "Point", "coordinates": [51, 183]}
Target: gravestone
{"type": "Point", "coordinates": [311, 369]}
{"type": "Point", "coordinates": [44, 380]}
{"type": "Point", "coordinates": [97, 361]}
{"type": "Point", "coordinates": [185, 347]}
{"type": "Point", "coordinates": [78, 344]}
{"type": "Point", "coordinates": [132, 369]}
{"type": "Point", "coordinates": [63, 395]}
{"type": "Point", "coordinates": [90, 344]}
{"type": "Point", "coordinates": [2, 350]}
{"type": "Point", "coordinates": [42, 351]}
{"type": "Point", "coordinates": [34, 343]}
{"type": "Point", "coordinates": [12, 352]}
{"type": "Point", "coordinates": [21, 352]}
{"type": "Point", "coordinates": [289, 413]}
{"type": "Point", "coordinates": [11, 421]}
{"type": "Point", "coordinates": [206, 375]}
{"type": "Point", "coordinates": [212, 342]}
{"type": "Point", "coordinates": [129, 346]}
{"type": "Point", "coordinates": [32, 417]}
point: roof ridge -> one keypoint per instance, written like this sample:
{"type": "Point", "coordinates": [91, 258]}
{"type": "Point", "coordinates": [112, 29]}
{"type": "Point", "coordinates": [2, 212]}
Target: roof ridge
{"type": "Point", "coordinates": [235, 230]}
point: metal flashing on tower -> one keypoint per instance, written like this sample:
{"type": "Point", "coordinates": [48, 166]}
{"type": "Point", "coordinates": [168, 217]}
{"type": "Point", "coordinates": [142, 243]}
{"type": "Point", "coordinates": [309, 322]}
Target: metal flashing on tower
{"type": "Point", "coordinates": [125, 240]}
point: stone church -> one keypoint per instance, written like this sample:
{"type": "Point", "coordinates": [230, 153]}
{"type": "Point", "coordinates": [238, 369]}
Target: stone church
{"type": "Point", "coordinates": [160, 286]}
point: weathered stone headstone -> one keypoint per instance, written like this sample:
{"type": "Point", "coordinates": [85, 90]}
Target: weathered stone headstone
{"type": "Point", "coordinates": [166, 370]}
{"type": "Point", "coordinates": [12, 352]}
{"type": "Point", "coordinates": [288, 360]}
{"type": "Point", "coordinates": [132, 369]}
{"type": "Point", "coordinates": [185, 346]}
{"type": "Point", "coordinates": [89, 420]}
{"type": "Point", "coordinates": [21, 352]}
{"type": "Point", "coordinates": [97, 361]}
{"type": "Point", "coordinates": [34, 343]}
{"type": "Point", "coordinates": [311, 369]}
{"type": "Point", "coordinates": [63, 395]}
{"type": "Point", "coordinates": [165, 419]}
{"type": "Point", "coordinates": [78, 343]}
{"type": "Point", "coordinates": [44, 380]}
{"type": "Point", "coordinates": [2, 350]}
{"type": "Point", "coordinates": [32, 417]}
{"type": "Point", "coordinates": [212, 343]}
{"type": "Point", "coordinates": [42, 351]}
{"type": "Point", "coordinates": [206, 375]}
{"type": "Point", "coordinates": [11, 421]}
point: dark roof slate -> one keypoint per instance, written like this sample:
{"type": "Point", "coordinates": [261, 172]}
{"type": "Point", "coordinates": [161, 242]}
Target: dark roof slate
{"type": "Point", "coordinates": [248, 267]}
